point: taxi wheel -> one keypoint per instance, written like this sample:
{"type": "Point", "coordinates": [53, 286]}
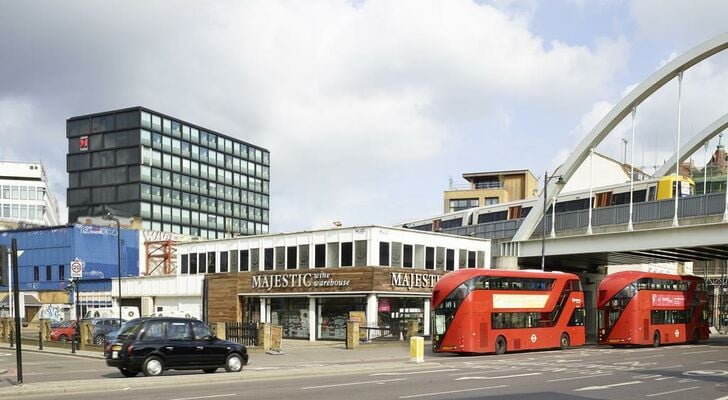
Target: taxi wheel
{"type": "Point", "coordinates": [153, 366]}
{"type": "Point", "coordinates": [500, 345]}
{"type": "Point", "coordinates": [234, 363]}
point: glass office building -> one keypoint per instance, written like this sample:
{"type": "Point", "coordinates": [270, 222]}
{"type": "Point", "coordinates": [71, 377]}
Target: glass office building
{"type": "Point", "coordinates": [178, 177]}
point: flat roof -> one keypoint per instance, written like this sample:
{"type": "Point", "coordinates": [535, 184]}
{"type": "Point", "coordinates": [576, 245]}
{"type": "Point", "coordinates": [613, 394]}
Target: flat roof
{"type": "Point", "coordinates": [163, 115]}
{"type": "Point", "coordinates": [467, 175]}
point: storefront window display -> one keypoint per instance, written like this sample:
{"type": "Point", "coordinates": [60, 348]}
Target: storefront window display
{"type": "Point", "coordinates": [396, 312]}
{"type": "Point", "coordinates": [333, 314]}
{"type": "Point", "coordinates": [292, 315]}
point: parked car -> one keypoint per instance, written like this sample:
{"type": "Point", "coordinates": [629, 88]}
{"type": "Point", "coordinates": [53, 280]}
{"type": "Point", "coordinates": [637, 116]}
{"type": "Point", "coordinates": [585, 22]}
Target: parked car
{"type": "Point", "coordinates": [102, 326]}
{"type": "Point", "coordinates": [64, 332]}
{"type": "Point", "coordinates": [153, 345]}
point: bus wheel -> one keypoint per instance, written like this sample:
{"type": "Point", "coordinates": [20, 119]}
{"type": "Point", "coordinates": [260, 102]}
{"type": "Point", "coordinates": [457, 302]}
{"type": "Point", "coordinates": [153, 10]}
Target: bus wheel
{"type": "Point", "coordinates": [696, 336]}
{"type": "Point", "coordinates": [656, 339]}
{"type": "Point", "coordinates": [565, 342]}
{"type": "Point", "coordinates": [500, 345]}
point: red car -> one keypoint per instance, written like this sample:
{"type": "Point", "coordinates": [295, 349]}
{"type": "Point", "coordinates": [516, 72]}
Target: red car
{"type": "Point", "coordinates": [64, 332]}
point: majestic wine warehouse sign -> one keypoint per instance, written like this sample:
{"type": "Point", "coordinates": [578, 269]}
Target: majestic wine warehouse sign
{"type": "Point", "coordinates": [354, 279]}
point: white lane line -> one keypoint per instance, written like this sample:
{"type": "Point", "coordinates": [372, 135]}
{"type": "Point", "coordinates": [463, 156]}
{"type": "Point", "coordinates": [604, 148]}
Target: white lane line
{"type": "Point", "coordinates": [579, 377]}
{"type": "Point", "coordinates": [451, 392]}
{"type": "Point", "coordinates": [701, 351]}
{"type": "Point", "coordinates": [647, 376]}
{"type": "Point", "coordinates": [607, 386]}
{"type": "Point", "coordinates": [466, 378]}
{"type": "Point", "coordinates": [351, 384]}
{"type": "Point", "coordinates": [212, 396]}
{"type": "Point", "coordinates": [430, 371]}
{"type": "Point", "coordinates": [664, 378]}
{"type": "Point", "coordinates": [723, 398]}
{"type": "Point", "coordinates": [673, 391]}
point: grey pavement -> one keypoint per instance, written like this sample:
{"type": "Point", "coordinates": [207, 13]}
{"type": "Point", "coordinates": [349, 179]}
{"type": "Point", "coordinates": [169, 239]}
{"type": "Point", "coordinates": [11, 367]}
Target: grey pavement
{"type": "Point", "coordinates": [297, 358]}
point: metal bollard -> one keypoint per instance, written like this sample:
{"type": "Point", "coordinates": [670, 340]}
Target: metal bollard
{"type": "Point", "coordinates": [40, 340]}
{"type": "Point", "coordinates": [73, 344]}
{"type": "Point", "coordinates": [12, 336]}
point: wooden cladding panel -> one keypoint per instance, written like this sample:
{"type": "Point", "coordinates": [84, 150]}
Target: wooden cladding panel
{"type": "Point", "coordinates": [222, 298]}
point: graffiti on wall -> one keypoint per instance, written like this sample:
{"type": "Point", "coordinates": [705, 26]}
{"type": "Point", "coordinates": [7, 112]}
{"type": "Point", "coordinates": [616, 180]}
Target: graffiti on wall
{"type": "Point", "coordinates": [53, 312]}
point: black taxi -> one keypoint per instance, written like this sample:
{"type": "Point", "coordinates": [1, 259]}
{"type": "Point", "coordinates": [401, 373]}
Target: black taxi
{"type": "Point", "coordinates": [153, 345]}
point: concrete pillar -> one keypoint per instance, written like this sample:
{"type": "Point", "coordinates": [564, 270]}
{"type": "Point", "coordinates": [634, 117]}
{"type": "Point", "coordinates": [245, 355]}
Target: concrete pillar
{"type": "Point", "coordinates": [264, 335]}
{"type": "Point", "coordinates": [372, 310]}
{"type": "Point", "coordinates": [220, 330]}
{"type": "Point", "coordinates": [427, 318]}
{"type": "Point", "coordinates": [264, 310]}
{"type": "Point", "coordinates": [507, 263]}
{"type": "Point", "coordinates": [352, 334]}
{"type": "Point", "coordinates": [312, 319]}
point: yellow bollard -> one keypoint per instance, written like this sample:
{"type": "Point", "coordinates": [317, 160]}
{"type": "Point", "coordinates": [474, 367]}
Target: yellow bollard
{"type": "Point", "coordinates": [417, 349]}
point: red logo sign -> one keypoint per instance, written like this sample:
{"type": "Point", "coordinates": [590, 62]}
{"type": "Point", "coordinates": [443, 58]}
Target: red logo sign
{"type": "Point", "coordinates": [83, 143]}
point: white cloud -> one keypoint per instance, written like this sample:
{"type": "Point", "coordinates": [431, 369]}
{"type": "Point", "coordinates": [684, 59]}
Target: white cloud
{"type": "Point", "coordinates": [362, 105]}
{"type": "Point", "coordinates": [684, 23]}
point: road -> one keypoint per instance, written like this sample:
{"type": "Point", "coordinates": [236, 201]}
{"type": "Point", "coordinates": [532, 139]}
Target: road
{"type": "Point", "coordinates": [670, 372]}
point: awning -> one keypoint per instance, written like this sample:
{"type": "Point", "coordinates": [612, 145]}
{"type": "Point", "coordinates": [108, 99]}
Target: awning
{"type": "Point", "coordinates": [29, 299]}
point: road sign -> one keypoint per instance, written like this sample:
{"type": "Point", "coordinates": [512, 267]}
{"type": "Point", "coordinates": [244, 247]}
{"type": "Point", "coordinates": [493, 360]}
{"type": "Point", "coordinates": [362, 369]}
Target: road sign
{"type": "Point", "coordinates": [77, 268]}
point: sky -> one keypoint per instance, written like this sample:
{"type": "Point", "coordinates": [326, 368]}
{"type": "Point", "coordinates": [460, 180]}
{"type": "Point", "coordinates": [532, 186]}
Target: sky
{"type": "Point", "coordinates": [370, 109]}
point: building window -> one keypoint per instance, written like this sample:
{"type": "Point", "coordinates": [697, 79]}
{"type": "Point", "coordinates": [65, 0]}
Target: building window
{"type": "Point", "coordinates": [291, 257]}
{"type": "Point", "coordinates": [243, 260]}
{"type": "Point", "coordinates": [332, 254]}
{"type": "Point", "coordinates": [319, 256]}
{"type": "Point", "coordinates": [490, 201]}
{"type": "Point", "coordinates": [384, 254]}
{"type": "Point", "coordinates": [202, 262]}
{"type": "Point", "coordinates": [193, 263]}
{"type": "Point", "coordinates": [463, 204]}
{"type": "Point", "coordinates": [450, 263]}
{"type": "Point", "coordinates": [407, 256]}
{"type": "Point", "coordinates": [61, 272]}
{"type": "Point", "coordinates": [49, 273]}
{"type": "Point", "coordinates": [429, 258]}
{"type": "Point", "coordinates": [268, 259]}
{"type": "Point", "coordinates": [185, 266]}
{"type": "Point", "coordinates": [211, 263]}
{"type": "Point", "coordinates": [36, 274]}
{"type": "Point", "coordinates": [471, 259]}
{"type": "Point", "coordinates": [346, 254]}
{"type": "Point", "coordinates": [223, 261]}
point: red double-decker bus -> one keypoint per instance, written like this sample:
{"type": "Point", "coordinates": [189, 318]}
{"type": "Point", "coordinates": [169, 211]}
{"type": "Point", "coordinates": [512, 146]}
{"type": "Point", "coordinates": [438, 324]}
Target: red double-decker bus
{"type": "Point", "coordinates": [494, 311]}
{"type": "Point", "coordinates": [644, 308]}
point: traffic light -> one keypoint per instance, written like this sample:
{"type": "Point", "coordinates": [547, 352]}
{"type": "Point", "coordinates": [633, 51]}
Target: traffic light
{"type": "Point", "coordinates": [4, 270]}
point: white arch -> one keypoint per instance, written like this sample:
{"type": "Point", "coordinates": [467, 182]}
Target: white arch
{"type": "Point", "coordinates": [616, 115]}
{"type": "Point", "coordinates": [718, 126]}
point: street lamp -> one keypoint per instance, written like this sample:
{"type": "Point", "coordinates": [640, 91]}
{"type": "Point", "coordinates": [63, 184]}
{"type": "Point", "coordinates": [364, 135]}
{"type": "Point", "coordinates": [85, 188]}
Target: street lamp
{"type": "Point", "coordinates": [546, 179]}
{"type": "Point", "coordinates": [110, 217]}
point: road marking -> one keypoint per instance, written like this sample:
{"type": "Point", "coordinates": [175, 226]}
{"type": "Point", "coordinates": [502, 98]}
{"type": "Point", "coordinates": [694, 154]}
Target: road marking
{"type": "Point", "coordinates": [487, 372]}
{"type": "Point", "coordinates": [466, 378]}
{"type": "Point", "coordinates": [212, 396]}
{"type": "Point", "coordinates": [673, 391]}
{"type": "Point", "coordinates": [578, 377]}
{"type": "Point", "coordinates": [700, 352]}
{"type": "Point", "coordinates": [414, 373]}
{"type": "Point", "coordinates": [723, 398]}
{"type": "Point", "coordinates": [4, 354]}
{"type": "Point", "coordinates": [671, 367]}
{"type": "Point", "coordinates": [706, 372]}
{"type": "Point", "coordinates": [451, 392]}
{"type": "Point", "coordinates": [664, 378]}
{"type": "Point", "coordinates": [647, 376]}
{"type": "Point", "coordinates": [607, 386]}
{"type": "Point", "coordinates": [352, 384]}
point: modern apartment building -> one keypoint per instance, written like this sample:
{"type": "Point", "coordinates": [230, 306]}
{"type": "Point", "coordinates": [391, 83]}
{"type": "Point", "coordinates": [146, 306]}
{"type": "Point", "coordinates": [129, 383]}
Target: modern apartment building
{"type": "Point", "coordinates": [486, 188]}
{"type": "Point", "coordinates": [176, 176]}
{"type": "Point", "coordinates": [24, 196]}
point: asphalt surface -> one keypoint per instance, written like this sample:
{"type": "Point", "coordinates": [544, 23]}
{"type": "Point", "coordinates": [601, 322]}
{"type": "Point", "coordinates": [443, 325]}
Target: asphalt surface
{"type": "Point", "coordinates": [328, 371]}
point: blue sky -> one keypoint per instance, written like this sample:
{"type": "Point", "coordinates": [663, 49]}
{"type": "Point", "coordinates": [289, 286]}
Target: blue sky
{"type": "Point", "coordinates": [369, 108]}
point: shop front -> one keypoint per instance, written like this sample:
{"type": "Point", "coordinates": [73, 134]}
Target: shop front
{"type": "Point", "coordinates": [316, 304]}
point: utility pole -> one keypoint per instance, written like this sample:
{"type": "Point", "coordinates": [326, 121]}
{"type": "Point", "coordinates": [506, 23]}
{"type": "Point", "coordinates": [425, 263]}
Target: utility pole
{"type": "Point", "coordinates": [16, 305]}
